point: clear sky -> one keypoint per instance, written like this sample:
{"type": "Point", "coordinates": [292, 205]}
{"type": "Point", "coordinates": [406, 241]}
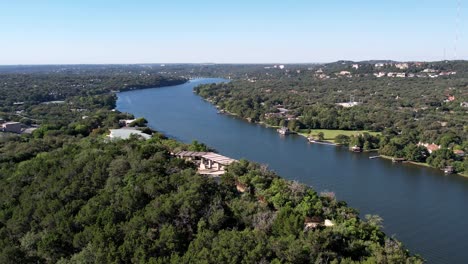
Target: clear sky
{"type": "Point", "coordinates": [240, 31]}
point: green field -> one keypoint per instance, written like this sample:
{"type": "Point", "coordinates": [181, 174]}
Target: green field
{"type": "Point", "coordinates": [331, 134]}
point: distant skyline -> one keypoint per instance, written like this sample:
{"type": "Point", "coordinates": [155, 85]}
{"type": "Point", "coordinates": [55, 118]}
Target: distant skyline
{"type": "Point", "coordinates": [176, 31]}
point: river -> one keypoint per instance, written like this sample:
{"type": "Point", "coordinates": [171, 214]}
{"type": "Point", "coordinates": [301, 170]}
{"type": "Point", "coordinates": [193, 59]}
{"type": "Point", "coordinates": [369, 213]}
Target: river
{"type": "Point", "coordinates": [422, 207]}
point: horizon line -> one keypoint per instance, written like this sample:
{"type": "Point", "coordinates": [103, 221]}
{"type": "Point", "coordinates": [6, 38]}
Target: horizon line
{"type": "Point", "coordinates": [225, 63]}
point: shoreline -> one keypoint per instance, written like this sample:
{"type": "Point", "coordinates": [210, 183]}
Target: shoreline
{"type": "Point", "coordinates": [421, 164]}
{"type": "Point", "coordinates": [327, 141]}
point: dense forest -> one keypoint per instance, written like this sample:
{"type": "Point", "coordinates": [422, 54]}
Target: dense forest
{"type": "Point", "coordinates": [427, 105]}
{"type": "Point", "coordinates": [70, 195]}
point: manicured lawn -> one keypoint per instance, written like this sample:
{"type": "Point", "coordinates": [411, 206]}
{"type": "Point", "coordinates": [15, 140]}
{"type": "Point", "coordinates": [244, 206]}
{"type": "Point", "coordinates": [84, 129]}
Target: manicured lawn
{"type": "Point", "coordinates": [331, 134]}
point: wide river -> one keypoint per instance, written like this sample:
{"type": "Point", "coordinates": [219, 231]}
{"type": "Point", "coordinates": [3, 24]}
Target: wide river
{"type": "Point", "coordinates": [422, 207]}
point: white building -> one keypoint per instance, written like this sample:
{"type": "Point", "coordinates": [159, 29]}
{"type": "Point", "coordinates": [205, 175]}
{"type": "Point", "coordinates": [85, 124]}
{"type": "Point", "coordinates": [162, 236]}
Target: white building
{"type": "Point", "coordinates": [125, 133]}
{"type": "Point", "coordinates": [402, 66]}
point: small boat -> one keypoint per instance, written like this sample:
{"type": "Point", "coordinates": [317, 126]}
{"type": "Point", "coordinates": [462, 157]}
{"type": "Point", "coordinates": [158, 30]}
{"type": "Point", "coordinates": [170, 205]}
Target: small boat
{"type": "Point", "coordinates": [374, 157]}
{"type": "Point", "coordinates": [283, 131]}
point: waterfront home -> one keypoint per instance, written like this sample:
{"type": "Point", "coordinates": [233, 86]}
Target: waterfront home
{"type": "Point", "coordinates": [432, 147]}
{"type": "Point", "coordinates": [209, 163]}
{"type": "Point", "coordinates": [283, 131]}
{"type": "Point", "coordinates": [395, 160]}
{"type": "Point", "coordinates": [214, 164]}
{"type": "Point", "coordinates": [191, 155]}
{"type": "Point", "coordinates": [356, 148]}
{"type": "Point", "coordinates": [448, 170]}
{"type": "Point", "coordinates": [125, 122]}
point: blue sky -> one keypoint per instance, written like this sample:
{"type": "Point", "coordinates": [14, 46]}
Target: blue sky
{"type": "Point", "coordinates": [144, 31]}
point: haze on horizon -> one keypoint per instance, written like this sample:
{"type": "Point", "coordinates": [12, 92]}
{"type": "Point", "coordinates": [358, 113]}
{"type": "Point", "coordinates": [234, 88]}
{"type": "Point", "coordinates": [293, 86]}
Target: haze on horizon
{"type": "Point", "coordinates": [101, 32]}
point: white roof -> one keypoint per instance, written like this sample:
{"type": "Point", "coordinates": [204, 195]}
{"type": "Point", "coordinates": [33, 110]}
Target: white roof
{"type": "Point", "coordinates": [125, 133]}
{"type": "Point", "coordinates": [11, 123]}
{"type": "Point", "coordinates": [223, 160]}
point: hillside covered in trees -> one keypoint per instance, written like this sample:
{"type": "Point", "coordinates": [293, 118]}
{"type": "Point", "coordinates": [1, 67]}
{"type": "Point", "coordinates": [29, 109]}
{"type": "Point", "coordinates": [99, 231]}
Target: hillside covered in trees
{"type": "Point", "coordinates": [70, 195]}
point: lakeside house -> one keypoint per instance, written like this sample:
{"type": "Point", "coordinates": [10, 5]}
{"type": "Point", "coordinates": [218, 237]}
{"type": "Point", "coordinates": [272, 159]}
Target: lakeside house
{"type": "Point", "coordinates": [13, 127]}
{"type": "Point", "coordinates": [126, 133]}
{"type": "Point", "coordinates": [356, 148]}
{"type": "Point", "coordinates": [430, 147]}
{"type": "Point", "coordinates": [449, 170]}
{"type": "Point", "coordinates": [283, 131]}
{"type": "Point", "coordinates": [126, 122]}
{"type": "Point", "coordinates": [395, 160]}
{"type": "Point", "coordinates": [209, 163]}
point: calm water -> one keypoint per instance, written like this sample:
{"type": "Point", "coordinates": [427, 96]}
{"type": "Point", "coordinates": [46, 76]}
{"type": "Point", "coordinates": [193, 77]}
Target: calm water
{"type": "Point", "coordinates": [422, 207]}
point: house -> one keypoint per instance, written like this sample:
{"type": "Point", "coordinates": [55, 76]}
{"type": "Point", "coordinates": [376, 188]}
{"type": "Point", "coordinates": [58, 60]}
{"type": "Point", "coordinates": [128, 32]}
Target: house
{"type": "Point", "coordinates": [432, 147]}
{"type": "Point", "coordinates": [448, 170]}
{"type": "Point", "coordinates": [355, 66]}
{"type": "Point", "coordinates": [356, 148]}
{"type": "Point", "coordinates": [126, 122]}
{"type": "Point", "coordinates": [402, 66]}
{"type": "Point", "coordinates": [14, 127]}
{"type": "Point", "coordinates": [379, 65]}
{"type": "Point", "coordinates": [401, 75]}
{"type": "Point", "coordinates": [328, 223]}
{"type": "Point", "coordinates": [345, 73]}
{"type": "Point", "coordinates": [312, 222]}
{"type": "Point", "coordinates": [459, 152]}
{"type": "Point", "coordinates": [126, 133]}
{"type": "Point", "coordinates": [214, 164]}
{"type": "Point", "coordinates": [283, 131]}
{"type": "Point", "coordinates": [191, 155]}
{"type": "Point", "coordinates": [379, 74]}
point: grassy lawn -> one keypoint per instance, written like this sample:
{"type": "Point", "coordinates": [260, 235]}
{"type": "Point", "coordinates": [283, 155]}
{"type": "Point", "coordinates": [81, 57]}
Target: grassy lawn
{"type": "Point", "coordinates": [331, 134]}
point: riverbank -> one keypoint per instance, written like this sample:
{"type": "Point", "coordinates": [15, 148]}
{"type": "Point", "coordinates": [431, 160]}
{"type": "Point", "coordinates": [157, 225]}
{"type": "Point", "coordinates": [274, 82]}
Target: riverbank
{"type": "Point", "coordinates": [421, 164]}
{"type": "Point", "coordinates": [329, 136]}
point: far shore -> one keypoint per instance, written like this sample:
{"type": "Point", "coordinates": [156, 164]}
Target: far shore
{"type": "Point", "coordinates": [329, 141]}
